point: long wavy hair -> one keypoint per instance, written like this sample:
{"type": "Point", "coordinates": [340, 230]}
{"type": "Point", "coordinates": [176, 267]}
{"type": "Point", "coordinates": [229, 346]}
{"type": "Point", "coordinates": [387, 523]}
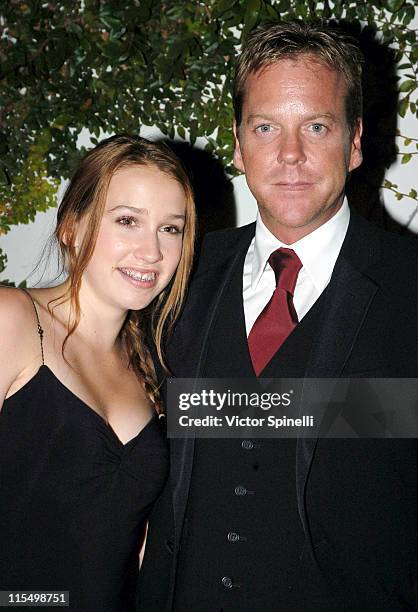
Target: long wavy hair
{"type": "Point", "coordinates": [84, 197]}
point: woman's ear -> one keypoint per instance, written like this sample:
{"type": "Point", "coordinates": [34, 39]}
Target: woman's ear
{"type": "Point", "coordinates": [73, 237]}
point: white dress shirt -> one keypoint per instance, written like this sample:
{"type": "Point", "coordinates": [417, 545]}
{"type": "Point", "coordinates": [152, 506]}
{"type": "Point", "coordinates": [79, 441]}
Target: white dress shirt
{"type": "Point", "coordinates": [318, 252]}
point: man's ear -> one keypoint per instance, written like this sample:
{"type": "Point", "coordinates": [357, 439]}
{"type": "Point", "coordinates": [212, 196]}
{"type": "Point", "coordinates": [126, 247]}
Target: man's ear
{"type": "Point", "coordinates": [238, 162]}
{"type": "Point", "coordinates": [356, 156]}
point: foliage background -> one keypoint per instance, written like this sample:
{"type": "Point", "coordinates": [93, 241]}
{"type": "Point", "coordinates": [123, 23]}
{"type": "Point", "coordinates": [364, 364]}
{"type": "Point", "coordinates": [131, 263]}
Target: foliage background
{"type": "Point", "coordinates": [113, 65]}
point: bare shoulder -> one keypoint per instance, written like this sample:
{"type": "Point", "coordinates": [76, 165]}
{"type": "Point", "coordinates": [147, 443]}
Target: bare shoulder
{"type": "Point", "coordinates": [19, 340]}
{"type": "Point", "coordinates": [16, 311]}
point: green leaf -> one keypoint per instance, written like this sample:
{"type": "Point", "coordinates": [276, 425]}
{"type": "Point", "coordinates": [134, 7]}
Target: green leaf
{"type": "Point", "coordinates": [221, 6]}
{"type": "Point", "coordinates": [409, 15]}
{"type": "Point", "coordinates": [412, 194]}
{"type": "Point", "coordinates": [394, 5]}
{"type": "Point", "coordinates": [113, 49]}
{"type": "Point", "coordinates": [193, 131]}
{"type": "Point", "coordinates": [408, 85]}
{"type": "Point", "coordinates": [75, 28]}
{"type": "Point", "coordinates": [272, 12]}
{"type": "Point", "coordinates": [411, 36]}
{"type": "Point", "coordinates": [403, 106]}
{"type": "Point", "coordinates": [406, 158]}
{"type": "Point", "coordinates": [284, 6]}
{"type": "Point", "coordinates": [251, 15]}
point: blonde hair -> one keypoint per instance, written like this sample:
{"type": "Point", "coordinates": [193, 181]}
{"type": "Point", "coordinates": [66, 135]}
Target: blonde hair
{"type": "Point", "coordinates": [86, 195]}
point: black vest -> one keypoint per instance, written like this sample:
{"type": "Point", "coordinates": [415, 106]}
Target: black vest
{"type": "Point", "coordinates": [243, 546]}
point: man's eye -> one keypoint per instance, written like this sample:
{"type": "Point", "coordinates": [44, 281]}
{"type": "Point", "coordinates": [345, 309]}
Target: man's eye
{"type": "Point", "coordinates": [127, 221]}
{"type": "Point", "coordinates": [318, 128]}
{"type": "Point", "coordinates": [265, 128]}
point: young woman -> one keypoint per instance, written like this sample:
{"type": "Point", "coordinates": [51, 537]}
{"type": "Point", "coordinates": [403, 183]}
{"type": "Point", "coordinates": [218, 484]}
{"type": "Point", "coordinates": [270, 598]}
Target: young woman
{"type": "Point", "coordinates": [82, 456]}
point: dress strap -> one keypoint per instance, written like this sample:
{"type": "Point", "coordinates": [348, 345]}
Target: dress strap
{"type": "Point", "coordinates": [40, 330]}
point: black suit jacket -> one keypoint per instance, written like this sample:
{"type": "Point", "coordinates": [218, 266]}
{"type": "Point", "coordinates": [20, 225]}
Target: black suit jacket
{"type": "Point", "coordinates": [368, 328]}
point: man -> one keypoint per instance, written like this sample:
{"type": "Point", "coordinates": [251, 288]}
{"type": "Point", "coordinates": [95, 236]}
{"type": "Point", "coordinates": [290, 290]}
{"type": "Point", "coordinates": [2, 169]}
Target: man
{"type": "Point", "coordinates": [270, 525]}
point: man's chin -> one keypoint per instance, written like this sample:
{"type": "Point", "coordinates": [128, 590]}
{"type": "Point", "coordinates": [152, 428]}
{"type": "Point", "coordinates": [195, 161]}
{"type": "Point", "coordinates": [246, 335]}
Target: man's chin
{"type": "Point", "coordinates": [288, 219]}
{"type": "Point", "coordinates": [289, 228]}
{"type": "Point", "coordinates": [296, 213]}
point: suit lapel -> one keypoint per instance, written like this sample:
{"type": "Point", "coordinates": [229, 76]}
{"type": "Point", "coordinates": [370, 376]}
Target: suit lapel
{"type": "Point", "coordinates": [348, 299]}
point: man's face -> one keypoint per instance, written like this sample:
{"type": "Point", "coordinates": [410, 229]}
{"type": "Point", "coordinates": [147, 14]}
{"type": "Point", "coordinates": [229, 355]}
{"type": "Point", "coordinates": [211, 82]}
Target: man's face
{"type": "Point", "coordinates": [294, 145]}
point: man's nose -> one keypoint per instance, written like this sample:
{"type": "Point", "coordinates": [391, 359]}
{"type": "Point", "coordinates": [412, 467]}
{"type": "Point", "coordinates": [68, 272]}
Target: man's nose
{"type": "Point", "coordinates": [148, 248]}
{"type": "Point", "coordinates": [291, 149]}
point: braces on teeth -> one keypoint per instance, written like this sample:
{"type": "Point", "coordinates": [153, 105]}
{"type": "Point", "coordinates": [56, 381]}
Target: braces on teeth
{"type": "Point", "coordinates": [138, 276]}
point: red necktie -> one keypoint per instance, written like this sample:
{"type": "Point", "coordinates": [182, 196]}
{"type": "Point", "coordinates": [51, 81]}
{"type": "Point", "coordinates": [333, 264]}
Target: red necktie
{"type": "Point", "coordinates": [278, 318]}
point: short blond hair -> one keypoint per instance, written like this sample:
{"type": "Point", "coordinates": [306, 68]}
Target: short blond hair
{"type": "Point", "coordinates": [273, 42]}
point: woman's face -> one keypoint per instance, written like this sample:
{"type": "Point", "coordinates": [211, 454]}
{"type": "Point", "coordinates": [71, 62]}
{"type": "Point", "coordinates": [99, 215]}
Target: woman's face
{"type": "Point", "coordinates": [140, 238]}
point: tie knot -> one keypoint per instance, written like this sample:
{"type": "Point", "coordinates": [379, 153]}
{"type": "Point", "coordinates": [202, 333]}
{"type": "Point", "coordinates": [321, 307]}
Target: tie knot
{"type": "Point", "coordinates": [286, 266]}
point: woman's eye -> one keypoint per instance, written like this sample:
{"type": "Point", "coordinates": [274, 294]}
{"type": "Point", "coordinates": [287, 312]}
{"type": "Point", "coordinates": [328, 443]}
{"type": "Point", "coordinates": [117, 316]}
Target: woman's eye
{"type": "Point", "coordinates": [127, 221]}
{"type": "Point", "coordinates": [171, 229]}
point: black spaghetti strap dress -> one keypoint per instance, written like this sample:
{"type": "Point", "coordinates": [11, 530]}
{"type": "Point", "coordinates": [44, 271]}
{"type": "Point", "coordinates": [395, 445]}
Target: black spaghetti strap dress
{"type": "Point", "coordinates": [73, 498]}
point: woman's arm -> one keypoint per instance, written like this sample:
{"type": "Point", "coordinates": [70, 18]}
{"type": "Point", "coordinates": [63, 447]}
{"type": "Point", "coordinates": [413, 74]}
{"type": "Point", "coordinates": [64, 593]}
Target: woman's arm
{"type": "Point", "coordinates": [18, 348]}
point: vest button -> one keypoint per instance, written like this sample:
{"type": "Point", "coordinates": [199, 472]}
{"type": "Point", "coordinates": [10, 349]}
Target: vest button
{"type": "Point", "coordinates": [240, 490]}
{"type": "Point", "coordinates": [233, 537]}
{"type": "Point", "coordinates": [227, 582]}
{"type": "Point", "coordinates": [247, 444]}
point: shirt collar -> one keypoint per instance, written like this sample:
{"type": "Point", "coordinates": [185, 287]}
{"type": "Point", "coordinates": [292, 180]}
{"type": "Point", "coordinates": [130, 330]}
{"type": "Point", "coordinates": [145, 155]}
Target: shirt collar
{"type": "Point", "coordinates": [318, 251]}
